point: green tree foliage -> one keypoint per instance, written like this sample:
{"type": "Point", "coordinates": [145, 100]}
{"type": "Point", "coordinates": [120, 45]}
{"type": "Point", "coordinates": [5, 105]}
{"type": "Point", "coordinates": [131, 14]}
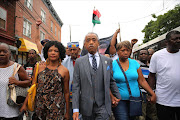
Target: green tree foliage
{"type": "Point", "coordinates": [162, 24]}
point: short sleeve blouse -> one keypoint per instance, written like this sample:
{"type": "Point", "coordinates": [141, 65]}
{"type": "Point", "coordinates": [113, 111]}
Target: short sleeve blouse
{"type": "Point", "coordinates": [132, 76]}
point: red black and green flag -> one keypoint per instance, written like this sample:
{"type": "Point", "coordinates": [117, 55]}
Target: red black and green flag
{"type": "Point", "coordinates": [96, 16]}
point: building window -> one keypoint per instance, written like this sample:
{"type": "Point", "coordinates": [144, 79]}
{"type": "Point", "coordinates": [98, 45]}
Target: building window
{"type": "Point", "coordinates": [58, 35]}
{"type": "Point", "coordinates": [29, 4]}
{"type": "Point", "coordinates": [51, 26]}
{"type": "Point", "coordinates": [27, 28]}
{"type": "Point", "coordinates": [43, 16]}
{"type": "Point", "coordinates": [55, 30]}
{"type": "Point", "coordinates": [42, 35]}
{"type": "Point", "coordinates": [3, 18]}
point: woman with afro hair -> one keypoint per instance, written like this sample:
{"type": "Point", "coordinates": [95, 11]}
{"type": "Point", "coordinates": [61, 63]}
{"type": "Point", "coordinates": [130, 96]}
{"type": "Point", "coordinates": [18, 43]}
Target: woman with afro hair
{"type": "Point", "coordinates": [53, 85]}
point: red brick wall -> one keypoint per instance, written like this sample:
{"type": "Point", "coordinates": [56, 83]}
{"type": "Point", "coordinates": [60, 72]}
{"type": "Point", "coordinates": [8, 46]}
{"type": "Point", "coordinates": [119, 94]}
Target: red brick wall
{"type": "Point", "coordinates": [8, 34]}
{"type": "Point", "coordinates": [22, 11]}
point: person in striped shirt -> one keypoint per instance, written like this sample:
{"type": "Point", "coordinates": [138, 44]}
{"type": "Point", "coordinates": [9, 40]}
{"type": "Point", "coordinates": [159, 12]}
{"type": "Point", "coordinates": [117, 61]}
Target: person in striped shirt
{"type": "Point", "coordinates": [148, 108]}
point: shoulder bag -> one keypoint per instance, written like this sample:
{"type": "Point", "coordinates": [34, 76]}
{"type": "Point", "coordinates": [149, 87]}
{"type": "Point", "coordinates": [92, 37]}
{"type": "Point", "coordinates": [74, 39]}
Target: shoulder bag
{"type": "Point", "coordinates": [135, 103]}
{"type": "Point", "coordinates": [16, 94]}
{"type": "Point", "coordinates": [32, 91]}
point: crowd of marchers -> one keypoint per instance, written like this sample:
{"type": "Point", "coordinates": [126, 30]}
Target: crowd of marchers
{"type": "Point", "coordinates": [95, 86]}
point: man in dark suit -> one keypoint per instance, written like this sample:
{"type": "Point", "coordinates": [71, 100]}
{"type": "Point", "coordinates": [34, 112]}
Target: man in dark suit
{"type": "Point", "coordinates": [92, 83]}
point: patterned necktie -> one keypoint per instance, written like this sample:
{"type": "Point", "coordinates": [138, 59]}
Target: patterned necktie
{"type": "Point", "coordinates": [94, 63]}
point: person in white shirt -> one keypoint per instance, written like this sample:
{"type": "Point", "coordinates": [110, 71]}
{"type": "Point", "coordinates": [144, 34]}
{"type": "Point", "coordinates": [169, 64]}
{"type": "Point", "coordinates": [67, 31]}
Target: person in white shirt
{"type": "Point", "coordinates": [165, 64]}
{"type": "Point", "coordinates": [21, 79]}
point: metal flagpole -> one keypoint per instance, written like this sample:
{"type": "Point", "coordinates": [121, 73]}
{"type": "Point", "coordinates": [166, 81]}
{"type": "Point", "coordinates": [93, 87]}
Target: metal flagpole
{"type": "Point", "coordinates": [119, 33]}
{"type": "Point", "coordinates": [93, 23]}
{"type": "Point", "coordinates": [163, 4]}
{"type": "Point", "coordinates": [92, 27]}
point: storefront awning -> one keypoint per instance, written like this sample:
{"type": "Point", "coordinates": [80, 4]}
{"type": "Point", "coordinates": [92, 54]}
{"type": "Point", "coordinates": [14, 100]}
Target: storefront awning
{"type": "Point", "coordinates": [27, 45]}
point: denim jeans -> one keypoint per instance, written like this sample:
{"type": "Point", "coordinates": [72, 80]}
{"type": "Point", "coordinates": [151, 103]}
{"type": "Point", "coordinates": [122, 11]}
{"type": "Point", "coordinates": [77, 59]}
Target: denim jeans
{"type": "Point", "coordinates": [121, 111]}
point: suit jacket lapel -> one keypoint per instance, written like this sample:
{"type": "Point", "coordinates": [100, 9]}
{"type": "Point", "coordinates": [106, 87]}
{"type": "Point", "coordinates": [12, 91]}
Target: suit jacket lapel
{"type": "Point", "coordinates": [87, 68]}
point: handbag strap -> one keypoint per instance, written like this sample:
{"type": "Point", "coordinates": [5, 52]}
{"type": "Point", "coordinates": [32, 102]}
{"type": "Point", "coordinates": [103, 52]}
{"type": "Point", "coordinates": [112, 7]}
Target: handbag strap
{"type": "Point", "coordinates": [36, 73]}
{"type": "Point", "coordinates": [127, 83]}
{"type": "Point", "coordinates": [16, 68]}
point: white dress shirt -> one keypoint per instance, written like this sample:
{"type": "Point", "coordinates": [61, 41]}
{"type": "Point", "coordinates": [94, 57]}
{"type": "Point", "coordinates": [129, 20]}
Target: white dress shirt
{"type": "Point", "coordinates": [96, 56]}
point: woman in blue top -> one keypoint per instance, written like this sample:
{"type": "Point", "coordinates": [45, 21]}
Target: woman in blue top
{"type": "Point", "coordinates": [134, 76]}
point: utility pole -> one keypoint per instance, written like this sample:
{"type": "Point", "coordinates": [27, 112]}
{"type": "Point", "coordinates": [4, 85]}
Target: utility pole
{"type": "Point", "coordinates": [70, 32]}
{"type": "Point", "coordinates": [163, 4]}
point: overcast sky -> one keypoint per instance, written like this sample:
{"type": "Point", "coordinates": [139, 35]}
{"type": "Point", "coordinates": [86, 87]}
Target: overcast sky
{"type": "Point", "coordinates": [132, 15]}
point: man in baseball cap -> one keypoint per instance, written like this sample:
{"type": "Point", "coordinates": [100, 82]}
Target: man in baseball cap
{"type": "Point", "coordinates": [44, 41]}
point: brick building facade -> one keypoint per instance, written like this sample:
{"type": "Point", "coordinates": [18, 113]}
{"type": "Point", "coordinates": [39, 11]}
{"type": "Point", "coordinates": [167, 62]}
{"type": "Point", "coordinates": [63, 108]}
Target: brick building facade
{"type": "Point", "coordinates": [27, 13]}
{"type": "Point", "coordinates": [7, 24]}
{"type": "Point", "coordinates": [7, 18]}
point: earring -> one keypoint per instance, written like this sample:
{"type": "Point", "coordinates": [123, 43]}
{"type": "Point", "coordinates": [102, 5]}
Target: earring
{"type": "Point", "coordinates": [47, 61]}
{"type": "Point", "coordinates": [59, 61]}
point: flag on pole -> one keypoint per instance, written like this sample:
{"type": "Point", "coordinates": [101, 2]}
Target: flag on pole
{"type": "Point", "coordinates": [96, 16]}
{"type": "Point", "coordinates": [104, 44]}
